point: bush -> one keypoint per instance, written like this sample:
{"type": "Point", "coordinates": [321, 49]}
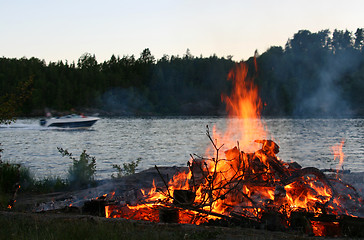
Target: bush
{"type": "Point", "coordinates": [82, 172]}
{"type": "Point", "coordinates": [127, 169]}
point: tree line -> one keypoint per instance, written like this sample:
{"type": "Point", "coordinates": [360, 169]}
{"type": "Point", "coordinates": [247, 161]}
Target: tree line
{"type": "Point", "coordinates": [314, 74]}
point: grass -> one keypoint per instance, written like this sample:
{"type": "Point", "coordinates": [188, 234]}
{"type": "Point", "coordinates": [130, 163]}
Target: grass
{"type": "Point", "coordinates": [60, 226]}
{"type": "Point", "coordinates": [48, 185]}
{"type": "Point", "coordinates": [43, 226]}
{"type": "Point", "coordinates": [13, 175]}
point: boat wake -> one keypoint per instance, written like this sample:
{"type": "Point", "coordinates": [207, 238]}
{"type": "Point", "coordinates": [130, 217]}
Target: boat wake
{"type": "Point", "coordinates": [22, 126]}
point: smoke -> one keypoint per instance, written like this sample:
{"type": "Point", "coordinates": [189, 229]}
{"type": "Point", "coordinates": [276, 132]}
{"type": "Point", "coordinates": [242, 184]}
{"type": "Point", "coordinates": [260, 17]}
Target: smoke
{"type": "Point", "coordinates": [322, 94]}
{"type": "Point", "coordinates": [325, 100]}
{"type": "Point", "coordinates": [125, 102]}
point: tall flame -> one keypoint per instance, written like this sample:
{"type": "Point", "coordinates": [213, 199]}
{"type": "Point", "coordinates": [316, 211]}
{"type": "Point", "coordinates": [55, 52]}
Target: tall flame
{"type": "Point", "coordinates": [244, 111]}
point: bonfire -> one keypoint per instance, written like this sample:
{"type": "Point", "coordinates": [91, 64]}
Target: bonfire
{"type": "Point", "coordinates": [243, 182]}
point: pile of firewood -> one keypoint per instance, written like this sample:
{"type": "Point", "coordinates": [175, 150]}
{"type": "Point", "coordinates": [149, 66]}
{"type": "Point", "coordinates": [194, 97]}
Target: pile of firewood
{"type": "Point", "coordinates": [252, 190]}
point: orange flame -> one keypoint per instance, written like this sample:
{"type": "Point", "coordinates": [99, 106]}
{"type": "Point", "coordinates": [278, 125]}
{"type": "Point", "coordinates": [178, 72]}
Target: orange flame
{"type": "Point", "coordinates": [244, 111]}
{"type": "Point", "coordinates": [338, 154]}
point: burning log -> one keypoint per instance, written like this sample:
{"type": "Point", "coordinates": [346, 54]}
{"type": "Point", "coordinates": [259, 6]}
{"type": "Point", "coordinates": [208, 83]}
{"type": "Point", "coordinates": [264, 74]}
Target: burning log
{"type": "Point", "coordinates": [95, 207]}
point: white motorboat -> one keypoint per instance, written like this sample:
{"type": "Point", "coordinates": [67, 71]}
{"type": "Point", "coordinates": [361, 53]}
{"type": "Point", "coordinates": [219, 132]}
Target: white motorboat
{"type": "Point", "coordinates": [69, 121]}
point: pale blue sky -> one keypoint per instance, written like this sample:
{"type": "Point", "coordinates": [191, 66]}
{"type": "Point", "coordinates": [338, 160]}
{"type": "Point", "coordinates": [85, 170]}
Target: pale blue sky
{"type": "Point", "coordinates": [65, 29]}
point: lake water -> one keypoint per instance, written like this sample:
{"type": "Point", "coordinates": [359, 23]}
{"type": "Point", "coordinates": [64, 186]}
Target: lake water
{"type": "Point", "coordinates": [170, 141]}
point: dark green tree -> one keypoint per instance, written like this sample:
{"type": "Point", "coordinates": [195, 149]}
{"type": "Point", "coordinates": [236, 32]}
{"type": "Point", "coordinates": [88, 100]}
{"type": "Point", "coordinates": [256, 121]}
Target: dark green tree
{"type": "Point", "coordinates": [359, 38]}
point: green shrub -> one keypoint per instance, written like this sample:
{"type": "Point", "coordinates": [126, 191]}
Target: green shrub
{"type": "Point", "coordinates": [82, 172]}
{"type": "Point", "coordinates": [127, 169]}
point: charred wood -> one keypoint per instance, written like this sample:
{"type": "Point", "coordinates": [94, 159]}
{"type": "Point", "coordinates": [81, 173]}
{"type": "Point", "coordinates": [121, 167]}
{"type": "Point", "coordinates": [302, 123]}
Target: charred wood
{"type": "Point", "coordinates": [168, 215]}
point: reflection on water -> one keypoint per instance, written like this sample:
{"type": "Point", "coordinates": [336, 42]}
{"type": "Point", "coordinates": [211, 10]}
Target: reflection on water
{"type": "Point", "coordinates": [170, 141]}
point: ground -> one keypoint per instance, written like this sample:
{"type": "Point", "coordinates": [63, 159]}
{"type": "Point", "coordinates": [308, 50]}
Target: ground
{"type": "Point", "coordinates": [18, 225]}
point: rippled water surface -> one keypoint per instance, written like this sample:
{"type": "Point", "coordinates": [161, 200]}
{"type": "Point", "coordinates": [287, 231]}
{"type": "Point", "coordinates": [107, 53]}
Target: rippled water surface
{"type": "Point", "coordinates": [170, 141]}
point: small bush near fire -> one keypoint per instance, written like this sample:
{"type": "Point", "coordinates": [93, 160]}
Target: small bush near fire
{"type": "Point", "coordinates": [82, 172]}
{"type": "Point", "coordinates": [127, 169]}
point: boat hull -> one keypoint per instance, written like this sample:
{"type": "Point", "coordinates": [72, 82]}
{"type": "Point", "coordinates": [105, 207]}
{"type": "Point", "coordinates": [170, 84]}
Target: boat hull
{"type": "Point", "coordinates": [83, 124]}
{"type": "Point", "coordinates": [69, 122]}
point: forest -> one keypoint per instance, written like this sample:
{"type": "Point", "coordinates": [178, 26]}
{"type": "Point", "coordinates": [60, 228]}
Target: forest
{"type": "Point", "coordinates": [316, 74]}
